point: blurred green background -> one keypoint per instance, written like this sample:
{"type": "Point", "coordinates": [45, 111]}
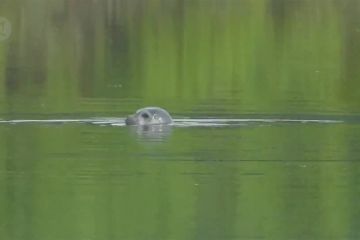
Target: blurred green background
{"type": "Point", "coordinates": [196, 58]}
{"type": "Point", "coordinates": [200, 56]}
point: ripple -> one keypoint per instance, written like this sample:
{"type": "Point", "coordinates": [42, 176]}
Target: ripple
{"type": "Point", "coordinates": [245, 121]}
{"type": "Point", "coordinates": [184, 122]}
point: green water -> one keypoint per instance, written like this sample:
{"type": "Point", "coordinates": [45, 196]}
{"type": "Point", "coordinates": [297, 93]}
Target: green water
{"type": "Point", "coordinates": [212, 59]}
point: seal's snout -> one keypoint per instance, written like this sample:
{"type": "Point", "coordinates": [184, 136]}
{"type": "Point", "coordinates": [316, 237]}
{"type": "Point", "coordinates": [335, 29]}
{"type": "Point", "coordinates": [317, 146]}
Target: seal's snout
{"type": "Point", "coordinates": [130, 120]}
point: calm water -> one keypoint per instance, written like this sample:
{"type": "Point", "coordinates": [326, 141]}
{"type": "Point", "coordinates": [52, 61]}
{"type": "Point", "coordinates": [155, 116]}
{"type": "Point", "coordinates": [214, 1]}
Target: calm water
{"type": "Point", "coordinates": [266, 99]}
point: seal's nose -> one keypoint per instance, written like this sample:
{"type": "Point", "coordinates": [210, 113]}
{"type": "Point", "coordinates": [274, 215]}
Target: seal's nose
{"type": "Point", "coordinates": [130, 120]}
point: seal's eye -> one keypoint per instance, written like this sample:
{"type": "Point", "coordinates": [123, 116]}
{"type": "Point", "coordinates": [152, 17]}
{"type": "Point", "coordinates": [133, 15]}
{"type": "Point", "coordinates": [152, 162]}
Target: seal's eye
{"type": "Point", "coordinates": [145, 115]}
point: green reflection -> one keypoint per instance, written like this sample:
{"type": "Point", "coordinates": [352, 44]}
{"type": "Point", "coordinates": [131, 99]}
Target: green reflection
{"type": "Point", "coordinates": [241, 56]}
{"type": "Point", "coordinates": [99, 182]}
{"type": "Point", "coordinates": [195, 58]}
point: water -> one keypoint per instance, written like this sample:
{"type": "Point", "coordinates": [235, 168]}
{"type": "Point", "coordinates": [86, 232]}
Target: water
{"type": "Point", "coordinates": [265, 142]}
{"type": "Point", "coordinates": [94, 180]}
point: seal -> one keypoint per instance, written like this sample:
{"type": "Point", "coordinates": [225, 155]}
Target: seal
{"type": "Point", "coordinates": [149, 116]}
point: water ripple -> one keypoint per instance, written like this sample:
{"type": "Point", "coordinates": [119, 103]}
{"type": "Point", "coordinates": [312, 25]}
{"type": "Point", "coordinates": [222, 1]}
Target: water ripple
{"type": "Point", "coordinates": [184, 122]}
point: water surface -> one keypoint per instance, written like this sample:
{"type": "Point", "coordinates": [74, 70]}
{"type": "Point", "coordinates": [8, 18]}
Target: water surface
{"type": "Point", "coordinates": [265, 97]}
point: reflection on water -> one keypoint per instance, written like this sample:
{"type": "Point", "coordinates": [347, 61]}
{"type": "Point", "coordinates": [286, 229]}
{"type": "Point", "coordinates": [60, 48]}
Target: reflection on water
{"type": "Point", "coordinates": [81, 181]}
{"type": "Point", "coordinates": [152, 132]}
{"type": "Point", "coordinates": [265, 144]}
{"type": "Point", "coordinates": [195, 57]}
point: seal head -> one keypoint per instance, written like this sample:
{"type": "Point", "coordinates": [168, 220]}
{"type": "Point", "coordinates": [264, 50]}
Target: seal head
{"type": "Point", "coordinates": [149, 116]}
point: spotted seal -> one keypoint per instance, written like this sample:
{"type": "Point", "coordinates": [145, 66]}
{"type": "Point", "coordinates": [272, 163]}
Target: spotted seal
{"type": "Point", "coordinates": [149, 116]}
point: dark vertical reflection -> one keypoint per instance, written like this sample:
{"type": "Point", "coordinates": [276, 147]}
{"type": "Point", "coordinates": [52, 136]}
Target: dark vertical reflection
{"type": "Point", "coordinates": [257, 56]}
{"type": "Point", "coordinates": [27, 56]}
{"type": "Point", "coordinates": [179, 20]}
{"type": "Point", "coordinates": [351, 49]}
{"type": "Point", "coordinates": [282, 12]}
